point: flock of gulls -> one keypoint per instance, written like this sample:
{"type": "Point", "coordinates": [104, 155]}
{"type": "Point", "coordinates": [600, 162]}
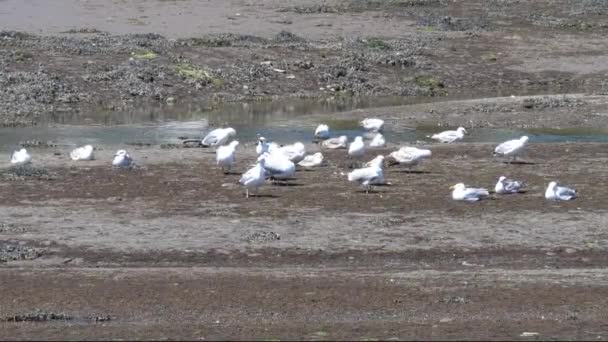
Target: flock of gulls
{"type": "Point", "coordinates": [278, 163]}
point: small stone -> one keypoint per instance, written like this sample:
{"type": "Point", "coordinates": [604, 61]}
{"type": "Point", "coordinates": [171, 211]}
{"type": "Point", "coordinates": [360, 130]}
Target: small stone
{"type": "Point", "coordinates": [570, 250]}
{"type": "Point", "coordinates": [170, 100]}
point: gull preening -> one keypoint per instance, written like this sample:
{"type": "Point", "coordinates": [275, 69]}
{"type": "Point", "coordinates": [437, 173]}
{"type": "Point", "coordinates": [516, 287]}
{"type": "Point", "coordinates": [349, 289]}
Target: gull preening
{"type": "Point", "coordinates": [218, 137]}
{"type": "Point", "coordinates": [378, 141]}
{"type": "Point", "coordinates": [122, 159]}
{"type": "Point", "coordinates": [462, 193]}
{"type": "Point", "coordinates": [82, 153]}
{"type": "Point", "coordinates": [254, 178]}
{"type": "Point", "coordinates": [556, 192]}
{"type": "Point", "coordinates": [511, 148]}
{"type": "Point", "coordinates": [368, 175]}
{"type": "Point", "coordinates": [378, 161]}
{"type": "Point", "coordinates": [278, 166]}
{"type": "Point", "coordinates": [372, 124]}
{"type": "Point", "coordinates": [336, 143]}
{"type": "Point", "coordinates": [356, 148]}
{"type": "Point", "coordinates": [322, 132]}
{"type": "Point", "coordinates": [508, 186]}
{"type": "Point", "coordinates": [225, 156]}
{"type": "Point", "coordinates": [21, 157]}
{"type": "Point", "coordinates": [450, 136]}
{"type": "Point", "coordinates": [410, 156]}
{"type": "Point", "coordinates": [312, 160]}
{"type": "Point", "coordinates": [294, 152]}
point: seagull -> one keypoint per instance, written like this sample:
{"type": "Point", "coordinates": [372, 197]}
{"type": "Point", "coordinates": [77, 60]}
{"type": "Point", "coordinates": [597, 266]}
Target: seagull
{"type": "Point", "coordinates": [377, 162]}
{"type": "Point", "coordinates": [277, 165]}
{"type": "Point", "coordinates": [21, 157]}
{"type": "Point", "coordinates": [410, 156]}
{"type": "Point", "coordinates": [555, 192]}
{"type": "Point", "coordinates": [294, 152]}
{"type": "Point", "coordinates": [450, 136]}
{"type": "Point", "coordinates": [82, 153]}
{"type": "Point", "coordinates": [254, 178]}
{"type": "Point", "coordinates": [507, 186]}
{"type": "Point", "coordinates": [462, 193]}
{"type": "Point", "coordinates": [511, 148]}
{"type": "Point", "coordinates": [368, 175]}
{"type": "Point", "coordinates": [356, 149]}
{"type": "Point", "coordinates": [378, 141]}
{"type": "Point", "coordinates": [218, 137]}
{"type": "Point", "coordinates": [372, 124]}
{"type": "Point", "coordinates": [322, 132]}
{"type": "Point", "coordinates": [335, 143]}
{"type": "Point", "coordinates": [122, 159]}
{"type": "Point", "coordinates": [312, 160]}
{"type": "Point", "coordinates": [263, 146]}
{"type": "Point", "coordinates": [224, 156]}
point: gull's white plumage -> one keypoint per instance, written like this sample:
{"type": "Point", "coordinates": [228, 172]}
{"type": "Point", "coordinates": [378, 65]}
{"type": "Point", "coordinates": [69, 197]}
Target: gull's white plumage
{"type": "Point", "coordinates": [507, 186]}
{"type": "Point", "coordinates": [368, 175]}
{"type": "Point", "coordinates": [225, 155]}
{"type": "Point", "coordinates": [20, 157]}
{"type": "Point", "coordinates": [556, 192]}
{"type": "Point", "coordinates": [450, 136]}
{"type": "Point", "coordinates": [410, 156]}
{"type": "Point", "coordinates": [312, 160]}
{"type": "Point", "coordinates": [294, 152]}
{"type": "Point", "coordinates": [82, 153]}
{"type": "Point", "coordinates": [356, 148]}
{"type": "Point", "coordinates": [511, 148]}
{"type": "Point", "coordinates": [378, 161]}
{"type": "Point", "coordinates": [218, 136]}
{"type": "Point", "coordinates": [277, 165]}
{"type": "Point", "coordinates": [264, 146]}
{"type": "Point", "coordinates": [322, 132]}
{"type": "Point", "coordinates": [378, 141]}
{"type": "Point", "coordinates": [372, 124]}
{"type": "Point", "coordinates": [122, 159]}
{"type": "Point", "coordinates": [462, 193]}
{"type": "Point", "coordinates": [335, 143]}
{"type": "Point", "coordinates": [255, 177]}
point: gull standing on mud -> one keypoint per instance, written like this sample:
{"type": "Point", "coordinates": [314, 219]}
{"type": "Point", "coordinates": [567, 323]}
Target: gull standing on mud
{"type": "Point", "coordinates": [450, 136]}
{"type": "Point", "coordinates": [409, 156]}
{"type": "Point", "coordinates": [368, 175]}
{"type": "Point", "coordinates": [254, 178]}
{"type": "Point", "coordinates": [225, 156]}
{"type": "Point", "coordinates": [20, 157]}
{"type": "Point", "coordinates": [356, 149]}
{"type": "Point", "coordinates": [511, 148]}
{"type": "Point", "coordinates": [82, 153]}
{"type": "Point", "coordinates": [462, 193]}
{"type": "Point", "coordinates": [378, 141]}
{"type": "Point", "coordinates": [336, 143]}
{"type": "Point", "coordinates": [508, 186]}
{"type": "Point", "coordinates": [556, 192]}
{"type": "Point", "coordinates": [322, 132]}
{"type": "Point", "coordinates": [312, 160]}
{"type": "Point", "coordinates": [378, 161]}
{"type": "Point", "coordinates": [263, 146]}
{"type": "Point", "coordinates": [218, 137]}
{"type": "Point", "coordinates": [372, 124]}
{"type": "Point", "coordinates": [278, 166]}
{"type": "Point", "coordinates": [122, 159]}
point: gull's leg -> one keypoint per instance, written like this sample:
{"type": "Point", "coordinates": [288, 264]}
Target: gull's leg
{"type": "Point", "coordinates": [246, 192]}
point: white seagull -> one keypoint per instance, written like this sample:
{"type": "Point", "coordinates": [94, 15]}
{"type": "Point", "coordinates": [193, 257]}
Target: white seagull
{"type": "Point", "coordinates": [312, 160]}
{"type": "Point", "coordinates": [462, 193]}
{"type": "Point", "coordinates": [378, 141]}
{"type": "Point", "coordinates": [254, 178]}
{"type": "Point", "coordinates": [368, 175]}
{"type": "Point", "coordinates": [322, 132]}
{"type": "Point", "coordinates": [507, 186]}
{"type": "Point", "coordinates": [372, 124]}
{"type": "Point", "coordinates": [294, 152]}
{"type": "Point", "coordinates": [356, 148]}
{"type": "Point", "coordinates": [555, 192]}
{"type": "Point", "coordinates": [378, 162]}
{"type": "Point", "coordinates": [450, 136]}
{"type": "Point", "coordinates": [21, 157]}
{"type": "Point", "coordinates": [264, 146]}
{"type": "Point", "coordinates": [335, 143]}
{"type": "Point", "coordinates": [82, 153]}
{"type": "Point", "coordinates": [511, 148]}
{"type": "Point", "coordinates": [278, 166]}
{"type": "Point", "coordinates": [218, 137]}
{"type": "Point", "coordinates": [410, 156]}
{"type": "Point", "coordinates": [224, 156]}
{"type": "Point", "coordinates": [122, 159]}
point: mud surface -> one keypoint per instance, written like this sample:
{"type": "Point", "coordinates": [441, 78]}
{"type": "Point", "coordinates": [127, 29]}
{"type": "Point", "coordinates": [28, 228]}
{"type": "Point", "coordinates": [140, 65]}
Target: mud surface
{"type": "Point", "coordinates": [173, 250]}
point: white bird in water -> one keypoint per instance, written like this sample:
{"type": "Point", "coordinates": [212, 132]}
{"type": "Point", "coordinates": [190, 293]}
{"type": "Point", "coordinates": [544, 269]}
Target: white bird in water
{"type": "Point", "coordinates": [450, 136]}
{"type": "Point", "coordinates": [378, 141]}
{"type": "Point", "coordinates": [372, 124]}
{"type": "Point", "coordinates": [21, 157]}
{"type": "Point", "coordinates": [278, 166]}
{"type": "Point", "coordinates": [218, 137]}
{"type": "Point", "coordinates": [322, 132]}
{"type": "Point", "coordinates": [336, 143]}
{"type": "Point", "coordinates": [410, 156]}
{"type": "Point", "coordinates": [122, 159]}
{"type": "Point", "coordinates": [312, 160]}
{"type": "Point", "coordinates": [225, 156]}
{"type": "Point", "coordinates": [368, 175]}
{"type": "Point", "coordinates": [294, 152]}
{"type": "Point", "coordinates": [556, 192]}
{"type": "Point", "coordinates": [263, 146]}
{"type": "Point", "coordinates": [462, 193]}
{"type": "Point", "coordinates": [508, 186]}
{"type": "Point", "coordinates": [254, 178]}
{"type": "Point", "coordinates": [82, 153]}
{"type": "Point", "coordinates": [511, 148]}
